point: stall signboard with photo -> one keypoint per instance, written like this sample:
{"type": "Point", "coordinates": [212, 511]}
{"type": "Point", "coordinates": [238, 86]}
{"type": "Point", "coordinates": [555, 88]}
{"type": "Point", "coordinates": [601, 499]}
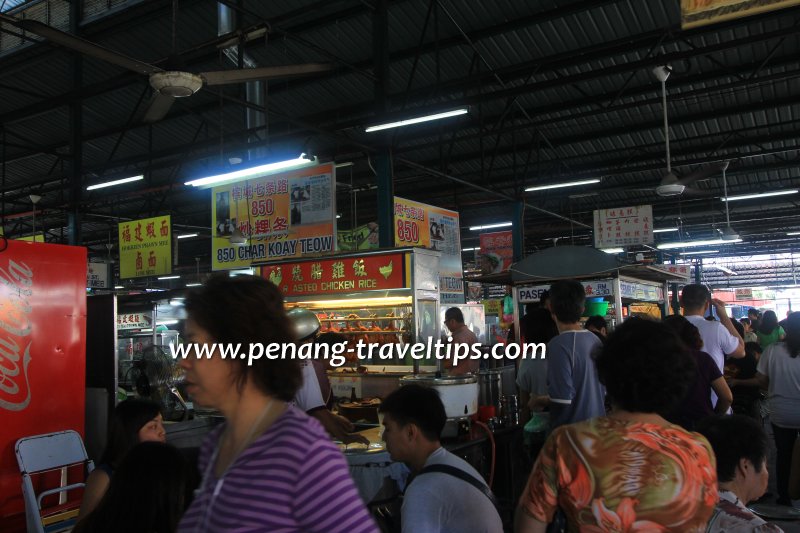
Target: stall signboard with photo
{"type": "Point", "coordinates": [623, 226]}
{"type": "Point", "coordinates": [358, 239]}
{"type": "Point", "coordinates": [702, 12]}
{"type": "Point", "coordinates": [497, 252]}
{"type": "Point", "coordinates": [283, 216]}
{"type": "Point", "coordinates": [145, 247]}
{"type": "Point", "coordinates": [418, 224]}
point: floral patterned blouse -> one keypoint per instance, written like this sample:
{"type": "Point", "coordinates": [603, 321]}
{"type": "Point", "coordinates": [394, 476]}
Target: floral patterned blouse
{"type": "Point", "coordinates": [611, 475]}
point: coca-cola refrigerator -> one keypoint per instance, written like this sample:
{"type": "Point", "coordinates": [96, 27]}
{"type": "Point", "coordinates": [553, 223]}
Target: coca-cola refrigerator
{"type": "Point", "coordinates": [42, 354]}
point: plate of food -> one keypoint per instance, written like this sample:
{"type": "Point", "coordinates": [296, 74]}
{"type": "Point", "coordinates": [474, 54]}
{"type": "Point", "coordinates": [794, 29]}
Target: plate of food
{"type": "Point", "coordinates": [360, 447]}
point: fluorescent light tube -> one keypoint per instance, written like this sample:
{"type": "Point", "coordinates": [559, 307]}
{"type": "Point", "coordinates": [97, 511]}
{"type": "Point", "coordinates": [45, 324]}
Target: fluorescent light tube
{"type": "Point", "coordinates": [186, 235]}
{"type": "Point", "coordinates": [664, 230]}
{"type": "Point", "coordinates": [724, 269]}
{"type": "Point", "coordinates": [565, 184]}
{"type": "Point", "coordinates": [794, 233]}
{"type": "Point", "coordinates": [115, 182]}
{"type": "Point", "coordinates": [699, 252]}
{"type": "Point", "coordinates": [166, 322]}
{"type": "Point", "coordinates": [612, 250]}
{"type": "Point", "coordinates": [490, 226]}
{"type": "Point", "coordinates": [689, 244]}
{"type": "Point", "coordinates": [193, 284]}
{"type": "Point", "coordinates": [469, 249]}
{"type": "Point", "coordinates": [253, 171]}
{"type": "Point", "coordinates": [417, 120]}
{"type": "Point", "coordinates": [169, 277]}
{"type": "Point", "coordinates": [758, 195]}
{"type": "Point", "coordinates": [118, 287]}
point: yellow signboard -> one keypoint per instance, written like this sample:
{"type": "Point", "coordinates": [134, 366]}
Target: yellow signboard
{"type": "Point", "coordinates": [39, 237]}
{"type": "Point", "coordinates": [361, 238]}
{"type": "Point", "coordinates": [286, 215]}
{"type": "Point", "coordinates": [145, 247]}
{"type": "Point", "coordinates": [418, 224]}
{"type": "Point", "coordinates": [702, 12]}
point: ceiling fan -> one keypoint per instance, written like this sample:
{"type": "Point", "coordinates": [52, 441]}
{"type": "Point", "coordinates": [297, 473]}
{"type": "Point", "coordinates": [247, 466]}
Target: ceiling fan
{"type": "Point", "coordinates": [672, 184]}
{"type": "Point", "coordinates": [167, 84]}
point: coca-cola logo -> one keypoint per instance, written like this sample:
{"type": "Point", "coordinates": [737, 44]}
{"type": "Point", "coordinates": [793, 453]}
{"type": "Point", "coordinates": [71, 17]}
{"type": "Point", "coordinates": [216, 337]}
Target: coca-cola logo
{"type": "Point", "coordinates": [16, 289]}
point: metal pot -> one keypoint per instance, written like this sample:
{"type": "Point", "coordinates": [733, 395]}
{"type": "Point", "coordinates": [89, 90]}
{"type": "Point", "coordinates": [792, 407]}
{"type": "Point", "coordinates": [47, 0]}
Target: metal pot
{"type": "Point", "coordinates": [459, 394]}
{"type": "Point", "coordinates": [491, 388]}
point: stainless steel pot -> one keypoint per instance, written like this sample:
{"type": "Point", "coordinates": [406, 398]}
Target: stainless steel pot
{"type": "Point", "coordinates": [459, 394]}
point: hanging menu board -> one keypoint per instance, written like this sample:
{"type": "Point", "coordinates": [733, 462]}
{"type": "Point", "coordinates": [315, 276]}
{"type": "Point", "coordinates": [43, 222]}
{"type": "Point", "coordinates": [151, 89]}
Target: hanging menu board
{"type": "Point", "coordinates": [418, 224]}
{"type": "Point", "coordinates": [623, 226]}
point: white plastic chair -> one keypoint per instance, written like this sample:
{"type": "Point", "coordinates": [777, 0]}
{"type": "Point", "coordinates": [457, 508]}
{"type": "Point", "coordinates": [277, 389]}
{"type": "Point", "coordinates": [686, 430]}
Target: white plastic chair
{"type": "Point", "coordinates": [41, 453]}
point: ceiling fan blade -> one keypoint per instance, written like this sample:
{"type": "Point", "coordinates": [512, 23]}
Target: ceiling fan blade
{"type": "Point", "coordinates": [158, 108]}
{"type": "Point", "coordinates": [223, 77]}
{"type": "Point", "coordinates": [82, 46]}
{"type": "Point", "coordinates": [703, 173]}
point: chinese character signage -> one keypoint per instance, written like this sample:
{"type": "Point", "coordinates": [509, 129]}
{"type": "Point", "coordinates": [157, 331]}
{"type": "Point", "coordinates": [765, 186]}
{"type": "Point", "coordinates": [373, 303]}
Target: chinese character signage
{"type": "Point", "coordinates": [679, 271]}
{"type": "Point", "coordinates": [145, 247]}
{"type": "Point", "coordinates": [97, 276]}
{"type": "Point", "coordinates": [497, 252]}
{"type": "Point", "coordinates": [134, 321]}
{"type": "Point", "coordinates": [623, 226]}
{"type": "Point", "coordinates": [744, 294]}
{"type": "Point", "coordinates": [417, 224]}
{"type": "Point", "coordinates": [603, 287]}
{"type": "Point", "coordinates": [701, 12]}
{"type": "Point", "coordinates": [286, 215]}
{"type": "Point", "coordinates": [331, 276]}
{"type": "Point", "coordinates": [361, 238]}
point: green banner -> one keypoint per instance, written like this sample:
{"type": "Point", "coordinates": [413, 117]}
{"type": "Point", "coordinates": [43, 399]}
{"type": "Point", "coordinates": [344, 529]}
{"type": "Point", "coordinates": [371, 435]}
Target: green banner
{"type": "Point", "coordinates": [361, 238]}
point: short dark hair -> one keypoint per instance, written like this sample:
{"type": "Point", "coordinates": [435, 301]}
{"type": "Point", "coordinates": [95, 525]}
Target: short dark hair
{"type": "Point", "coordinates": [127, 419]}
{"type": "Point", "coordinates": [567, 298]}
{"type": "Point", "coordinates": [752, 348]}
{"type": "Point", "coordinates": [738, 327]}
{"type": "Point", "coordinates": [769, 322]}
{"type": "Point", "coordinates": [754, 312]}
{"type": "Point", "coordinates": [418, 405]}
{"type": "Point", "coordinates": [243, 310]}
{"type": "Point", "coordinates": [745, 320]}
{"type": "Point", "coordinates": [694, 296]}
{"type": "Point", "coordinates": [596, 321]}
{"type": "Point", "coordinates": [538, 326]}
{"type": "Point", "coordinates": [734, 437]}
{"type": "Point", "coordinates": [148, 492]}
{"type": "Point", "coordinates": [686, 331]}
{"type": "Point", "coordinates": [454, 313]}
{"type": "Point", "coordinates": [645, 367]}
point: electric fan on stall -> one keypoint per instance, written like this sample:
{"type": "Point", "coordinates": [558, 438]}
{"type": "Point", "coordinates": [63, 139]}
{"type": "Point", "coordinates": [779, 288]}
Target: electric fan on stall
{"type": "Point", "coordinates": [155, 376]}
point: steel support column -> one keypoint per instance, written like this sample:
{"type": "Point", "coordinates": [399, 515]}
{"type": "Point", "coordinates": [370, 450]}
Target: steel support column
{"type": "Point", "coordinates": [76, 134]}
{"type": "Point", "coordinates": [518, 231]}
{"type": "Point", "coordinates": [383, 159]}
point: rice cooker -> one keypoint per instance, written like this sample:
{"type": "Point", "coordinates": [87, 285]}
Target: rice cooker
{"type": "Point", "coordinates": [459, 395]}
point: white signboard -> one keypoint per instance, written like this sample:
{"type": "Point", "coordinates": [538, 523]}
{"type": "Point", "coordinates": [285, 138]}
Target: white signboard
{"type": "Point", "coordinates": [134, 321]}
{"type": "Point", "coordinates": [97, 276]}
{"type": "Point", "coordinates": [603, 287]}
{"type": "Point", "coordinates": [623, 226]}
{"type": "Point", "coordinates": [641, 291]}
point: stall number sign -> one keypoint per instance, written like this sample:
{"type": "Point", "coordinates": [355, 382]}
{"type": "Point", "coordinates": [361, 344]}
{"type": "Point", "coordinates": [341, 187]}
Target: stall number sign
{"type": "Point", "coordinates": [133, 321]}
{"type": "Point", "coordinates": [592, 288]}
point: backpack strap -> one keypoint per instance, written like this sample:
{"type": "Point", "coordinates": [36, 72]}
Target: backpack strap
{"type": "Point", "coordinates": [463, 476]}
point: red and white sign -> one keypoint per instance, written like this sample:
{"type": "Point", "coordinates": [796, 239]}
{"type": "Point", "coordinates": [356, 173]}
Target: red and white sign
{"type": "Point", "coordinates": [497, 252]}
{"type": "Point", "coordinates": [623, 226]}
{"type": "Point", "coordinates": [340, 275]}
{"type": "Point", "coordinates": [42, 354]}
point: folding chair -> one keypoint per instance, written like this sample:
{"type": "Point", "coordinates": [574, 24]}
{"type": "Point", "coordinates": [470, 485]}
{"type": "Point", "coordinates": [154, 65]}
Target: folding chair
{"type": "Point", "coordinates": [50, 452]}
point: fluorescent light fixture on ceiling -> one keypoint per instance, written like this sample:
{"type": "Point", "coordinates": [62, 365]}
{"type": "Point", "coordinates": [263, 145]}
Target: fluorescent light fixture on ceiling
{"type": "Point", "coordinates": [490, 226]}
{"type": "Point", "coordinates": [758, 195]}
{"type": "Point", "coordinates": [193, 284]}
{"type": "Point", "coordinates": [169, 277]}
{"type": "Point", "coordinates": [724, 269]}
{"type": "Point", "coordinates": [115, 182]}
{"type": "Point", "coordinates": [118, 287]}
{"type": "Point", "coordinates": [699, 252]}
{"type": "Point", "coordinates": [417, 120]}
{"type": "Point", "coordinates": [612, 250]}
{"type": "Point", "coordinates": [690, 244]}
{"type": "Point", "coordinates": [259, 170]}
{"type": "Point", "coordinates": [793, 233]}
{"type": "Point", "coordinates": [664, 230]}
{"type": "Point", "coordinates": [469, 249]}
{"type": "Point", "coordinates": [560, 185]}
{"type": "Point", "coordinates": [186, 235]}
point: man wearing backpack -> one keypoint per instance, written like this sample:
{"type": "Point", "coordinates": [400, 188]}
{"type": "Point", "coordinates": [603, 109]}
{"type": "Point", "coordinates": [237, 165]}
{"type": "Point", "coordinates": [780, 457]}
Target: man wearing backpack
{"type": "Point", "coordinates": [444, 493]}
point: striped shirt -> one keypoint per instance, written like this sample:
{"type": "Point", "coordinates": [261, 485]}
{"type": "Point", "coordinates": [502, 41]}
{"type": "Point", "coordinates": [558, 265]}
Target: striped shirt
{"type": "Point", "coordinates": [292, 478]}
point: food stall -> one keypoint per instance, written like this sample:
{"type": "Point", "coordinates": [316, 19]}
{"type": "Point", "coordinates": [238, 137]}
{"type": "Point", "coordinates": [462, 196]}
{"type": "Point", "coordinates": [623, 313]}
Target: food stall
{"type": "Point", "coordinates": [387, 297]}
{"type": "Point", "coordinates": [614, 289]}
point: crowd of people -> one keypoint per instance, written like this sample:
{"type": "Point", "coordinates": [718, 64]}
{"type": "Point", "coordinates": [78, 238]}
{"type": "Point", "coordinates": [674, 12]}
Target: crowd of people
{"type": "Point", "coordinates": [642, 435]}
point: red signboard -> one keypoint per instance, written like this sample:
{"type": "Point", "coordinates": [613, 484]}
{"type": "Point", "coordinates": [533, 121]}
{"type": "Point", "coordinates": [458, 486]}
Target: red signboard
{"type": "Point", "coordinates": [42, 354]}
{"type": "Point", "coordinates": [338, 275]}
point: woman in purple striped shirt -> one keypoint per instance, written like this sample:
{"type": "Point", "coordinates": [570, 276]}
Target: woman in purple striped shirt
{"type": "Point", "coordinates": [270, 467]}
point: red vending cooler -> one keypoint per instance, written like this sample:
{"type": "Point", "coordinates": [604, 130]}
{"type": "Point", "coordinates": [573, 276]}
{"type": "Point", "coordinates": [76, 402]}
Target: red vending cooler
{"type": "Point", "coordinates": [42, 354]}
